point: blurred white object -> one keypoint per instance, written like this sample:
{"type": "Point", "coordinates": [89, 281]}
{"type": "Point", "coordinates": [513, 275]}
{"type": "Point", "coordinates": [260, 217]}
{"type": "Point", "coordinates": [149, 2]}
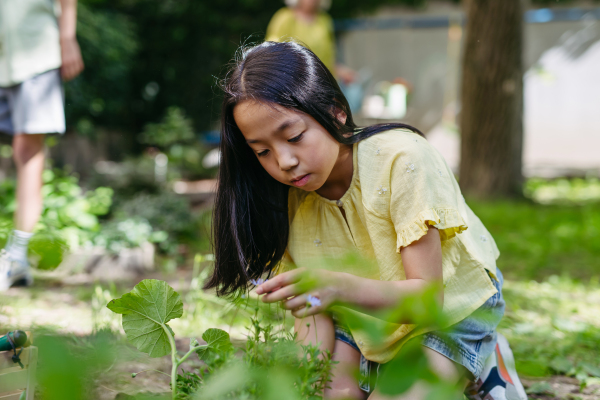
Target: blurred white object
{"type": "Point", "coordinates": [212, 159]}
{"type": "Point", "coordinates": [396, 107]}
{"type": "Point", "coordinates": [161, 162]}
{"type": "Point", "coordinates": [388, 102]}
{"type": "Point", "coordinates": [374, 106]}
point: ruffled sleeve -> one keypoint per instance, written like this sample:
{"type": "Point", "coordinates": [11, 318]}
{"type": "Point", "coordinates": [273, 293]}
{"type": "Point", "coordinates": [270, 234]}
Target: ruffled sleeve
{"type": "Point", "coordinates": [423, 193]}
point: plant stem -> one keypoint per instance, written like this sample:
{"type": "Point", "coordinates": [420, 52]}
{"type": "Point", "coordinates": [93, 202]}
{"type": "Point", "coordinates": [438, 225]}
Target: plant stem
{"type": "Point", "coordinates": [173, 361]}
{"type": "Point", "coordinates": [284, 331]}
{"type": "Point", "coordinates": [155, 370]}
{"type": "Point", "coordinates": [189, 353]}
{"type": "Point", "coordinates": [233, 319]}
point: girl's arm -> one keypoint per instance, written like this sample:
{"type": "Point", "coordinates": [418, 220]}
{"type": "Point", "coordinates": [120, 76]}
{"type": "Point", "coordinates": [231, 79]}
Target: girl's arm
{"type": "Point", "coordinates": [72, 63]}
{"type": "Point", "coordinates": [422, 262]}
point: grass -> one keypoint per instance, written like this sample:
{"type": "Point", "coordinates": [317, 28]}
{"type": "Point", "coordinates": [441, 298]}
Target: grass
{"type": "Point", "coordinates": [553, 326]}
{"type": "Point", "coordinates": [550, 258]}
{"type": "Point", "coordinates": [538, 241]}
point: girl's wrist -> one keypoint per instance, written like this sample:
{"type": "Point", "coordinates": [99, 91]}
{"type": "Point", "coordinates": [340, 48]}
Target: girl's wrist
{"type": "Point", "coordinates": [344, 287]}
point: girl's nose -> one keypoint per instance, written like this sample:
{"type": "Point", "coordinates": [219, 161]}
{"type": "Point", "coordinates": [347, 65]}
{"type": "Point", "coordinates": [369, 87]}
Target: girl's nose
{"type": "Point", "coordinates": [287, 161]}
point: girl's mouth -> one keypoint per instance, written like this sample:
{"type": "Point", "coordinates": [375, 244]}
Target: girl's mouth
{"type": "Point", "coordinates": [301, 181]}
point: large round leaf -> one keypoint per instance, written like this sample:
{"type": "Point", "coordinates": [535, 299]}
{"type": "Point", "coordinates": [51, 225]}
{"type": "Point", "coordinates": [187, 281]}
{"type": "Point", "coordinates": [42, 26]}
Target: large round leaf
{"type": "Point", "coordinates": [146, 311]}
{"type": "Point", "coordinates": [217, 342]}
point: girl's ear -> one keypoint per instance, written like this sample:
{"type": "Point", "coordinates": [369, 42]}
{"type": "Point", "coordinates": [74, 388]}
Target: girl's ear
{"type": "Point", "coordinates": [340, 115]}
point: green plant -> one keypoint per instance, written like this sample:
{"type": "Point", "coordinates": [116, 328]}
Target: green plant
{"type": "Point", "coordinates": [168, 214]}
{"type": "Point", "coordinates": [174, 136]}
{"type": "Point", "coordinates": [149, 307]}
{"type": "Point", "coordinates": [69, 219]}
{"type": "Point", "coordinates": [127, 233]}
{"type": "Point", "coordinates": [271, 364]}
{"type": "Point", "coordinates": [146, 311]}
{"type": "Point", "coordinates": [174, 128]}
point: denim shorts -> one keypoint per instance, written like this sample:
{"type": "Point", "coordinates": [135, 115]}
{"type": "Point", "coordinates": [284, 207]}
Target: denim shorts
{"type": "Point", "coordinates": [468, 343]}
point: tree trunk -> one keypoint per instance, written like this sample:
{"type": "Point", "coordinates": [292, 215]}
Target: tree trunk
{"type": "Point", "coordinates": [492, 100]}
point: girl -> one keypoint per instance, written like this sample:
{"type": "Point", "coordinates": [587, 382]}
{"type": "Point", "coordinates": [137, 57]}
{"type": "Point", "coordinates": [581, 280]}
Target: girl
{"type": "Point", "coordinates": [298, 180]}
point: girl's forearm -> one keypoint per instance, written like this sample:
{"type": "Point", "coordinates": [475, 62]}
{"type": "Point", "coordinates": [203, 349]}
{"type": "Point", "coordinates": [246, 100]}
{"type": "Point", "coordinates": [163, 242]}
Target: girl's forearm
{"type": "Point", "coordinates": [370, 294]}
{"type": "Point", "coordinates": [67, 22]}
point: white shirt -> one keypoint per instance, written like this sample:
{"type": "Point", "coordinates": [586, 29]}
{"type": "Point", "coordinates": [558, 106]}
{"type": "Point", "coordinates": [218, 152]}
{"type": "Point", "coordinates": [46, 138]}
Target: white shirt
{"type": "Point", "coordinates": [29, 39]}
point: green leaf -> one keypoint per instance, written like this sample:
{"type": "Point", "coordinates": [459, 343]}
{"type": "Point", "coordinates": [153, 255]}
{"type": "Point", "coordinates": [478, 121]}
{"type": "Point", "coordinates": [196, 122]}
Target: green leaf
{"type": "Point", "coordinates": [409, 367]}
{"type": "Point", "coordinates": [217, 341]}
{"type": "Point", "coordinates": [444, 391]}
{"type": "Point", "coordinates": [146, 311]}
{"type": "Point", "coordinates": [591, 369]}
{"type": "Point", "coordinates": [561, 364]}
{"type": "Point", "coordinates": [225, 381]}
{"type": "Point", "coordinates": [540, 388]}
{"type": "Point", "coordinates": [278, 384]}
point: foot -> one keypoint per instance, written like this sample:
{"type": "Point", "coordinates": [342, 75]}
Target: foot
{"type": "Point", "coordinates": [499, 380]}
{"type": "Point", "coordinates": [13, 272]}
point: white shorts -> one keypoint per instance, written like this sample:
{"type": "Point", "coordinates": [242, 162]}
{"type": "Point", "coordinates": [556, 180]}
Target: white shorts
{"type": "Point", "coordinates": [34, 106]}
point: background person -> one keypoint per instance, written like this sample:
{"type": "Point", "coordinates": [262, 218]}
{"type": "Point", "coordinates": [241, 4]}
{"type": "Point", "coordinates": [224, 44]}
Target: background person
{"type": "Point", "coordinates": [307, 22]}
{"type": "Point", "coordinates": [38, 49]}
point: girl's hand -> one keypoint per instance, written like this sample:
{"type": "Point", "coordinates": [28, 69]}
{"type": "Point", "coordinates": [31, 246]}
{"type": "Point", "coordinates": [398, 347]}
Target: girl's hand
{"type": "Point", "coordinates": [305, 292]}
{"type": "Point", "coordinates": [72, 63]}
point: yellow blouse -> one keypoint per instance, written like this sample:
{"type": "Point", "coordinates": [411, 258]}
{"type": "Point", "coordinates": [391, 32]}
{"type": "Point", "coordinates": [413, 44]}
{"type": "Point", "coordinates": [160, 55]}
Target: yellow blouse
{"type": "Point", "coordinates": [317, 35]}
{"type": "Point", "coordinates": [400, 185]}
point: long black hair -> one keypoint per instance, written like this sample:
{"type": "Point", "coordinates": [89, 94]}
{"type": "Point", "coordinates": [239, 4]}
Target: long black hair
{"type": "Point", "coordinates": [250, 218]}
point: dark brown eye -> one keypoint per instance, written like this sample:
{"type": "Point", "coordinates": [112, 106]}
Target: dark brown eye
{"type": "Point", "coordinates": [296, 138]}
{"type": "Point", "coordinates": [263, 153]}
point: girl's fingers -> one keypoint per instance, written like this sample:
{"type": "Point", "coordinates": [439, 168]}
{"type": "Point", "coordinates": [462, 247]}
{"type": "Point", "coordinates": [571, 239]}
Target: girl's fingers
{"type": "Point", "coordinates": [306, 312]}
{"type": "Point", "coordinates": [285, 279]}
{"type": "Point", "coordinates": [282, 293]}
{"type": "Point", "coordinates": [295, 303]}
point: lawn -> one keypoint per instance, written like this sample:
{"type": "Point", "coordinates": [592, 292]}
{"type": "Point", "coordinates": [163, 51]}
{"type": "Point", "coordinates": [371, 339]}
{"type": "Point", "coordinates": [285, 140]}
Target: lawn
{"type": "Point", "coordinates": [538, 241]}
{"type": "Point", "coordinates": [550, 258]}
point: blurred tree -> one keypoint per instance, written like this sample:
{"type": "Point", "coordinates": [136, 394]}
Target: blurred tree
{"type": "Point", "coordinates": [491, 119]}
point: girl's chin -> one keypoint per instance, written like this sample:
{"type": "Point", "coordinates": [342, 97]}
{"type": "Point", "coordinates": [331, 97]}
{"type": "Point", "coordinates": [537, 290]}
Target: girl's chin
{"type": "Point", "coordinates": [311, 187]}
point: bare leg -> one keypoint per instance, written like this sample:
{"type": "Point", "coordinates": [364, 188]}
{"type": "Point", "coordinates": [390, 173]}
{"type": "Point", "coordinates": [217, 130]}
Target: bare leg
{"type": "Point", "coordinates": [323, 329]}
{"type": "Point", "coordinates": [344, 384]}
{"type": "Point", "coordinates": [442, 365]}
{"type": "Point", "coordinates": [28, 153]}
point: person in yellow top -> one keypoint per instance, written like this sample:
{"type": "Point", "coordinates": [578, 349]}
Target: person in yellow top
{"type": "Point", "coordinates": [306, 22]}
{"type": "Point", "coordinates": [300, 181]}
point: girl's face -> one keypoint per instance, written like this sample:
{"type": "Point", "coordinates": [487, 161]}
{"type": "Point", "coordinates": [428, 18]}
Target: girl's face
{"type": "Point", "coordinates": [291, 146]}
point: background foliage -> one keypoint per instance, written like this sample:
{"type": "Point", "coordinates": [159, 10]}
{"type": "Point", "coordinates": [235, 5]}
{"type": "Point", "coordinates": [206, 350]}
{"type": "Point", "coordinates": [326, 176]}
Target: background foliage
{"type": "Point", "coordinates": [143, 56]}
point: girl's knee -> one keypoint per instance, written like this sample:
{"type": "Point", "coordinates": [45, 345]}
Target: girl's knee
{"type": "Point", "coordinates": [344, 387]}
{"type": "Point", "coordinates": [26, 147]}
